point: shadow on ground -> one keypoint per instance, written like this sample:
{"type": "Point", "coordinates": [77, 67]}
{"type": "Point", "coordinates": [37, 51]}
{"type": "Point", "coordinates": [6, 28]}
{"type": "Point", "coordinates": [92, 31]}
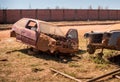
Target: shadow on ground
{"type": "Point", "coordinates": [115, 59]}
{"type": "Point", "coordinates": [59, 57]}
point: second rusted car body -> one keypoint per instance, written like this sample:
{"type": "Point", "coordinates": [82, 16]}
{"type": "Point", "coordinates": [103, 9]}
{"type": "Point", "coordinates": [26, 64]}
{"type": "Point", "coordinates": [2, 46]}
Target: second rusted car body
{"type": "Point", "coordinates": [45, 36]}
{"type": "Point", "coordinates": [103, 40]}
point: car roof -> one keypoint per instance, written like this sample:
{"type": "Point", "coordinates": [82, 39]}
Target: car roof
{"type": "Point", "coordinates": [46, 27]}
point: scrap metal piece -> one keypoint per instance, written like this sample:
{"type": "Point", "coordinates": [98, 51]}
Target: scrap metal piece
{"type": "Point", "coordinates": [103, 40]}
{"type": "Point", "coordinates": [44, 36]}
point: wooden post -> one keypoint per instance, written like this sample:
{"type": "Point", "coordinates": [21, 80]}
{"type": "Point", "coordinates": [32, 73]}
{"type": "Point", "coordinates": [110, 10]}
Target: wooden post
{"type": "Point", "coordinates": [110, 73]}
{"type": "Point", "coordinates": [68, 76]}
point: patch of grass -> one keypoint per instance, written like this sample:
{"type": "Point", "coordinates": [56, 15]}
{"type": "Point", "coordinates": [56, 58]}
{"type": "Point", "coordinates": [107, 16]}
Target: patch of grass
{"type": "Point", "coordinates": [74, 64]}
{"type": "Point", "coordinates": [73, 74]}
{"type": "Point", "coordinates": [5, 25]}
{"type": "Point", "coordinates": [102, 66]}
{"type": "Point", "coordinates": [32, 79]}
{"type": "Point", "coordinates": [34, 65]}
{"type": "Point", "coordinates": [98, 60]}
{"type": "Point", "coordinates": [2, 50]}
{"type": "Point", "coordinates": [82, 44]}
{"type": "Point", "coordinates": [6, 72]}
{"type": "Point", "coordinates": [3, 79]}
{"type": "Point", "coordinates": [7, 64]}
{"type": "Point", "coordinates": [81, 70]}
{"type": "Point", "coordinates": [109, 53]}
{"type": "Point", "coordinates": [13, 81]}
{"type": "Point", "coordinates": [21, 55]}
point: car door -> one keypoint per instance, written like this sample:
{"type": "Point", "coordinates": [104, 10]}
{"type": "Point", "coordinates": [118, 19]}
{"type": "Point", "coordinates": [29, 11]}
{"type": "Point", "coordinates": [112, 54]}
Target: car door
{"type": "Point", "coordinates": [29, 33]}
{"type": "Point", "coordinates": [73, 35]}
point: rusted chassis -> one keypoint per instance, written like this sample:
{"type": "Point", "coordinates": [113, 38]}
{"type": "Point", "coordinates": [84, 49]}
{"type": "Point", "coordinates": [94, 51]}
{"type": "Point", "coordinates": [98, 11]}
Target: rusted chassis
{"type": "Point", "coordinates": [91, 48]}
{"type": "Point", "coordinates": [106, 40]}
{"type": "Point", "coordinates": [63, 45]}
{"type": "Point", "coordinates": [46, 43]}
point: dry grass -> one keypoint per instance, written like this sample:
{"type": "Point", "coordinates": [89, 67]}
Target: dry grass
{"type": "Point", "coordinates": [16, 65]}
{"type": "Point", "coordinates": [5, 26]}
{"type": "Point", "coordinates": [19, 66]}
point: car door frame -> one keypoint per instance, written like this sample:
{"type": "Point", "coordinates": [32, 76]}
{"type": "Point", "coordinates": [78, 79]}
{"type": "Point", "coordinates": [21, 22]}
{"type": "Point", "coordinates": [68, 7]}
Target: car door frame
{"type": "Point", "coordinates": [30, 36]}
{"type": "Point", "coordinates": [73, 39]}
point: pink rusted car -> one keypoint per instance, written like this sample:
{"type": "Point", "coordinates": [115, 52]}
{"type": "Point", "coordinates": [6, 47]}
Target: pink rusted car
{"type": "Point", "coordinates": [44, 36]}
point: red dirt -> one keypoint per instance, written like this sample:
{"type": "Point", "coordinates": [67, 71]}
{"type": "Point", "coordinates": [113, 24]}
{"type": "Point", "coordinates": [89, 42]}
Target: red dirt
{"type": "Point", "coordinates": [89, 28]}
{"type": "Point", "coordinates": [4, 34]}
{"type": "Point", "coordinates": [81, 29]}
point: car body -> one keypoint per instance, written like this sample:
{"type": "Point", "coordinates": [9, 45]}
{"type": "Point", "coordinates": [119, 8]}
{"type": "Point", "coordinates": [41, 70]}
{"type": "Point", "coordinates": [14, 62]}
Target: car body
{"type": "Point", "coordinates": [103, 40]}
{"type": "Point", "coordinates": [44, 36]}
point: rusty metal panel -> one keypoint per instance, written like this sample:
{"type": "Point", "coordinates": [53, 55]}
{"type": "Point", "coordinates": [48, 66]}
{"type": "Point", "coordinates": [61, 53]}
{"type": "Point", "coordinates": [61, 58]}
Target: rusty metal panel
{"type": "Point", "coordinates": [43, 14]}
{"type": "Point", "coordinates": [51, 38]}
{"type": "Point", "coordinates": [112, 14]}
{"type": "Point", "coordinates": [92, 14]}
{"type": "Point", "coordinates": [29, 13]}
{"type": "Point", "coordinates": [1, 16]}
{"type": "Point", "coordinates": [103, 15]}
{"type": "Point", "coordinates": [69, 14]}
{"type": "Point", "coordinates": [12, 16]}
{"type": "Point", "coordinates": [81, 15]}
{"type": "Point", "coordinates": [57, 15]}
{"type": "Point", "coordinates": [114, 38]}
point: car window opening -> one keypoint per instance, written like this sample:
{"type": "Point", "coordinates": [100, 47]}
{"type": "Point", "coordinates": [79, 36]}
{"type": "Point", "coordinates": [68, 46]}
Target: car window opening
{"type": "Point", "coordinates": [32, 25]}
{"type": "Point", "coordinates": [72, 35]}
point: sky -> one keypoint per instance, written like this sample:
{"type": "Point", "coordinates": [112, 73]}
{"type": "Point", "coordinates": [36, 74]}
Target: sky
{"type": "Point", "coordinates": [61, 4]}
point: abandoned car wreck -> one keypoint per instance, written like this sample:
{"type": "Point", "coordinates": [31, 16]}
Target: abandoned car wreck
{"type": "Point", "coordinates": [44, 36]}
{"type": "Point", "coordinates": [103, 40]}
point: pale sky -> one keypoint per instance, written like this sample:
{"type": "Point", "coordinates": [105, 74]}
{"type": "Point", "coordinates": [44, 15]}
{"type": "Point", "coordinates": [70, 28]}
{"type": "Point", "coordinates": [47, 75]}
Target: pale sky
{"type": "Point", "coordinates": [52, 4]}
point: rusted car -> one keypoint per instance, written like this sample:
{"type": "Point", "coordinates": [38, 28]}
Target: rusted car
{"type": "Point", "coordinates": [103, 40]}
{"type": "Point", "coordinates": [44, 36]}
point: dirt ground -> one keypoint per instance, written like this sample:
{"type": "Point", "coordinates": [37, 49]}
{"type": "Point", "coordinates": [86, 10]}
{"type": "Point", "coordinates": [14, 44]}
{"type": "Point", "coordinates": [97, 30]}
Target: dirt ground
{"type": "Point", "coordinates": [16, 65]}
